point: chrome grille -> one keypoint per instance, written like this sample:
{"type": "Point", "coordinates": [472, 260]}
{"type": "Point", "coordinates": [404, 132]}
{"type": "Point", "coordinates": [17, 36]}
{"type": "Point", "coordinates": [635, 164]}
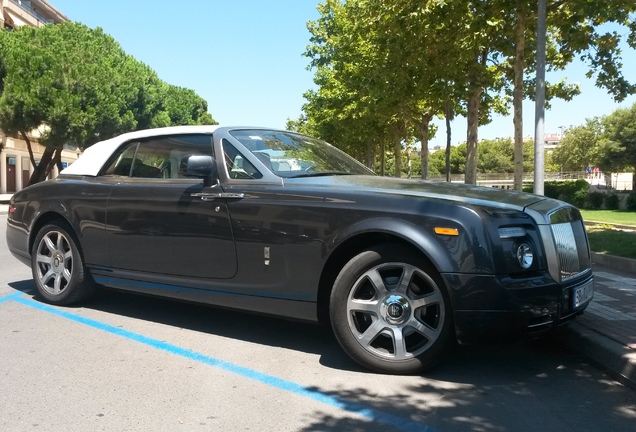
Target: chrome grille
{"type": "Point", "coordinates": [570, 242]}
{"type": "Point", "coordinates": [567, 250]}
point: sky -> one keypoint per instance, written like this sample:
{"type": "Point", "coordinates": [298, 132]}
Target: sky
{"type": "Point", "coordinates": [245, 57]}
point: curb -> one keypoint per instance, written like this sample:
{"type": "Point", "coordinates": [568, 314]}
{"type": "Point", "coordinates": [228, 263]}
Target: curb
{"type": "Point", "coordinates": [615, 358]}
{"type": "Point", "coordinates": [618, 226]}
{"type": "Point", "coordinates": [614, 262]}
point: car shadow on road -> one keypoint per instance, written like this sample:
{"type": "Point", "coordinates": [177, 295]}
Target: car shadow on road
{"type": "Point", "coordinates": [279, 332]}
{"type": "Point", "coordinates": [249, 327]}
{"type": "Point", "coordinates": [27, 286]}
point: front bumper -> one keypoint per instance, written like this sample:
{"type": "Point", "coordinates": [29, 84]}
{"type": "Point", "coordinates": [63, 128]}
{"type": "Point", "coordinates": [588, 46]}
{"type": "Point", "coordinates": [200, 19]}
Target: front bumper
{"type": "Point", "coordinates": [488, 307]}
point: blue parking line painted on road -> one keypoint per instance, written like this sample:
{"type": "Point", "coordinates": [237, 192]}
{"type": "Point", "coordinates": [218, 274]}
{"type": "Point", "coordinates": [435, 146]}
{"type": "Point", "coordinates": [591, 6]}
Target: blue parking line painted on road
{"type": "Point", "coordinates": [352, 407]}
{"type": "Point", "coordinates": [11, 296]}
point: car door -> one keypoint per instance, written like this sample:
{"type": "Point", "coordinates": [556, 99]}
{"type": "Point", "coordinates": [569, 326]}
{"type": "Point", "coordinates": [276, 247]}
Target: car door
{"type": "Point", "coordinates": [273, 250]}
{"type": "Point", "coordinates": [159, 221]}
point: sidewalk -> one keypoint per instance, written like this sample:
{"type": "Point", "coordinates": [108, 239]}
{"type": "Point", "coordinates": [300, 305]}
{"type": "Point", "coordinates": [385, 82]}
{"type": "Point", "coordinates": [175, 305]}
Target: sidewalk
{"type": "Point", "coordinates": [4, 203]}
{"type": "Point", "coordinates": [606, 333]}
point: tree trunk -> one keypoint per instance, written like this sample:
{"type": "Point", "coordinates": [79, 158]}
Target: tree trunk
{"type": "Point", "coordinates": [473, 125]}
{"type": "Point", "coordinates": [397, 151]}
{"type": "Point", "coordinates": [370, 157]}
{"type": "Point", "coordinates": [55, 162]}
{"type": "Point", "coordinates": [382, 158]}
{"type": "Point", "coordinates": [42, 169]}
{"type": "Point", "coordinates": [448, 114]}
{"type": "Point", "coordinates": [517, 101]}
{"type": "Point", "coordinates": [423, 128]}
{"type": "Point", "coordinates": [472, 136]}
{"type": "Point", "coordinates": [28, 142]}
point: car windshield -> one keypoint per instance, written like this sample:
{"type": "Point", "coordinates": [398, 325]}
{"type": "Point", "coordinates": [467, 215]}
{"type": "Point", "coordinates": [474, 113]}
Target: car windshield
{"type": "Point", "coordinates": [293, 155]}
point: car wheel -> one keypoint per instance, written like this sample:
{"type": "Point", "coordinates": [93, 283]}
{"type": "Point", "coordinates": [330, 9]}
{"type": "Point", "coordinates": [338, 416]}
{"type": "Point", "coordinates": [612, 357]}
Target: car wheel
{"type": "Point", "coordinates": [58, 267]}
{"type": "Point", "coordinates": [390, 311]}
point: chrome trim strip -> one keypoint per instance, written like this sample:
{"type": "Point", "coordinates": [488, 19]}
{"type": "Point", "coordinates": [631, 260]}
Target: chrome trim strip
{"type": "Point", "coordinates": [550, 251]}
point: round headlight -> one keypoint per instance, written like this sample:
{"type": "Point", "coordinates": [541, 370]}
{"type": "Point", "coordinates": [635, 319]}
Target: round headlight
{"type": "Point", "coordinates": [525, 256]}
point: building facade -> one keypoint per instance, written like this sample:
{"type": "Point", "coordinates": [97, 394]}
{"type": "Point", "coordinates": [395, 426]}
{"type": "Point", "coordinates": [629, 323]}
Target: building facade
{"type": "Point", "coordinates": [15, 163]}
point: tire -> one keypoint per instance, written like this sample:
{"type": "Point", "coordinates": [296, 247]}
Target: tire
{"type": "Point", "coordinates": [390, 312]}
{"type": "Point", "coordinates": [58, 266]}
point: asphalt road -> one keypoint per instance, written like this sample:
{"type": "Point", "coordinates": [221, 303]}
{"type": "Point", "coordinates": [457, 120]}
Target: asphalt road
{"type": "Point", "coordinates": [132, 363]}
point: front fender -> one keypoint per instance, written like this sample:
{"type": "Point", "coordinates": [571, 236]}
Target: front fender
{"type": "Point", "coordinates": [467, 252]}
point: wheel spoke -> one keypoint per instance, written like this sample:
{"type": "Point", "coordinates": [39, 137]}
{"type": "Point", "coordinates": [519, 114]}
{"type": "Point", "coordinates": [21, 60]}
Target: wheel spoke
{"type": "Point", "coordinates": [43, 259]}
{"type": "Point", "coordinates": [49, 244]}
{"type": "Point", "coordinates": [428, 300]}
{"type": "Point", "coordinates": [399, 344]}
{"type": "Point", "coordinates": [371, 333]}
{"type": "Point", "coordinates": [377, 282]}
{"type": "Point", "coordinates": [47, 276]}
{"type": "Point", "coordinates": [57, 286]}
{"type": "Point", "coordinates": [66, 274]}
{"type": "Point", "coordinates": [405, 279]}
{"type": "Point", "coordinates": [428, 332]}
{"type": "Point", "coordinates": [369, 306]}
{"type": "Point", "coordinates": [60, 242]}
{"type": "Point", "coordinates": [68, 262]}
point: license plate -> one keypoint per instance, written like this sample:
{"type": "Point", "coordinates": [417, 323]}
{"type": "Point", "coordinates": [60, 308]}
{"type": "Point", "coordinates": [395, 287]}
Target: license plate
{"type": "Point", "coordinates": [583, 293]}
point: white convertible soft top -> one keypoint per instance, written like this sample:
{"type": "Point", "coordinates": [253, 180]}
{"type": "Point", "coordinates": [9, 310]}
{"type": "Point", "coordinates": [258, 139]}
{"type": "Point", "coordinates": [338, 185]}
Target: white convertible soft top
{"type": "Point", "coordinates": [94, 157]}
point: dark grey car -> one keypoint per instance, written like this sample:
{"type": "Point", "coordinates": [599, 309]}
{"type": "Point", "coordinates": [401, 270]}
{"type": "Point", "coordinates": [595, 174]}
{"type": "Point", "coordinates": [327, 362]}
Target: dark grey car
{"type": "Point", "coordinates": [279, 223]}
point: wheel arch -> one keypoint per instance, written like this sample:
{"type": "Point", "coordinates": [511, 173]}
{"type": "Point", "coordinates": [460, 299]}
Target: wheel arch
{"type": "Point", "coordinates": [368, 233]}
{"type": "Point", "coordinates": [45, 219]}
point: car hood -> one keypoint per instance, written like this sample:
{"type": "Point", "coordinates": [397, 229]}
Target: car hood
{"type": "Point", "coordinates": [459, 192]}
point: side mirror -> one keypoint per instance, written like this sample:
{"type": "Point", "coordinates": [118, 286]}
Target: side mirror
{"type": "Point", "coordinates": [198, 166]}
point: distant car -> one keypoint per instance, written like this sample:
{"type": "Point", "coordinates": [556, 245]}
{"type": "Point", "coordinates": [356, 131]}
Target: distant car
{"type": "Point", "coordinates": [280, 223]}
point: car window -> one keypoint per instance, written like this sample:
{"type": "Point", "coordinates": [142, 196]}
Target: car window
{"type": "Point", "coordinates": [122, 164]}
{"type": "Point", "coordinates": [158, 157]}
{"type": "Point", "coordinates": [238, 167]}
{"type": "Point", "coordinates": [288, 154]}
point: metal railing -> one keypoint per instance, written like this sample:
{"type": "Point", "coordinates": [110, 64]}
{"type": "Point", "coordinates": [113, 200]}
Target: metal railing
{"type": "Point", "coordinates": [509, 177]}
{"type": "Point", "coordinates": [29, 9]}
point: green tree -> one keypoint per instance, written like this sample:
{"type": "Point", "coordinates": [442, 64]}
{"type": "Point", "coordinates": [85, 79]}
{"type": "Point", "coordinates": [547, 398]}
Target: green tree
{"type": "Point", "coordinates": [394, 65]}
{"type": "Point", "coordinates": [397, 63]}
{"type": "Point", "coordinates": [495, 156]}
{"type": "Point", "coordinates": [79, 86]}
{"type": "Point", "coordinates": [180, 106]}
{"type": "Point", "coordinates": [580, 146]}
{"type": "Point", "coordinates": [617, 148]}
{"type": "Point", "coordinates": [576, 29]}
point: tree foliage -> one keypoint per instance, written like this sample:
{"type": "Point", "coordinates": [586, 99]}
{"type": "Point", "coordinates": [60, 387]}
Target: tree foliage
{"type": "Point", "coordinates": [495, 156]}
{"type": "Point", "coordinates": [580, 146]}
{"type": "Point", "coordinates": [383, 70]}
{"type": "Point", "coordinates": [608, 142]}
{"type": "Point", "coordinates": [77, 86]}
{"type": "Point", "coordinates": [617, 147]}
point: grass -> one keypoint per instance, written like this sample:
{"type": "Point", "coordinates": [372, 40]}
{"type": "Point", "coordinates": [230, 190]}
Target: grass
{"type": "Point", "coordinates": [612, 241]}
{"type": "Point", "coordinates": [607, 239]}
{"type": "Point", "coordinates": [610, 216]}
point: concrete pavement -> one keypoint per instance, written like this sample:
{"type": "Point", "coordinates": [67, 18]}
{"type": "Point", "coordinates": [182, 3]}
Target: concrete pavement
{"type": "Point", "coordinates": [4, 203]}
{"type": "Point", "coordinates": [606, 332]}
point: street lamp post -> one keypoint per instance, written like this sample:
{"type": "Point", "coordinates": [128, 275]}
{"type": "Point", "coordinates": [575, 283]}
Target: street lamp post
{"type": "Point", "coordinates": [539, 112]}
